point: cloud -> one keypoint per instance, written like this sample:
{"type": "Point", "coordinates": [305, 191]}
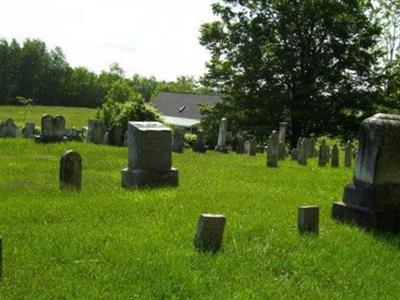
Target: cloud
{"type": "Point", "coordinates": [150, 37]}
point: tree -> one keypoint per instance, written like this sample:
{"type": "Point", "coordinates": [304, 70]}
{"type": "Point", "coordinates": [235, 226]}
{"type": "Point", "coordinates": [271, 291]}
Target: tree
{"type": "Point", "coordinates": [308, 62]}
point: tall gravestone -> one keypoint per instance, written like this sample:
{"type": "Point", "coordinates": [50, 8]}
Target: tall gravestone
{"type": "Point", "coordinates": [323, 154]}
{"type": "Point", "coordinates": [199, 144]}
{"type": "Point", "coordinates": [247, 146]}
{"type": "Point", "coordinates": [302, 152]}
{"type": "Point", "coordinates": [282, 132]}
{"type": "Point", "coordinates": [96, 131]}
{"type": "Point", "coordinates": [282, 151]}
{"type": "Point", "coordinates": [372, 200]}
{"type": "Point", "coordinates": [71, 170]}
{"type": "Point", "coordinates": [115, 136]}
{"type": "Point", "coordinates": [223, 128]}
{"type": "Point", "coordinates": [178, 144]}
{"type": "Point", "coordinates": [149, 156]}
{"type": "Point", "coordinates": [273, 150]}
{"type": "Point", "coordinates": [348, 155]}
{"type": "Point", "coordinates": [335, 157]}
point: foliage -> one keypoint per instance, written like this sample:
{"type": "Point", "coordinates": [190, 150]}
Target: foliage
{"type": "Point", "coordinates": [189, 139]}
{"type": "Point", "coordinates": [118, 113]}
{"type": "Point", "coordinates": [308, 62]}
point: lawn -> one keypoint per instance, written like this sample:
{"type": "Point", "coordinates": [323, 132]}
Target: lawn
{"type": "Point", "coordinates": [75, 117]}
{"type": "Point", "coordinates": [111, 243]}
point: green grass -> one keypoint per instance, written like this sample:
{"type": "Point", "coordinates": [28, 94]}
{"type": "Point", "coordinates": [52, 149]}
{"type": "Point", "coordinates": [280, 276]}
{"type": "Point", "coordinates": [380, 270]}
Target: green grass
{"type": "Point", "coordinates": [75, 117]}
{"type": "Point", "coordinates": [110, 243]}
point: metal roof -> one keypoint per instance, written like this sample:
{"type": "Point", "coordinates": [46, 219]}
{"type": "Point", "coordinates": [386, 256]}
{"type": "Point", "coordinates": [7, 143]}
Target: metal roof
{"type": "Point", "coordinates": [181, 122]}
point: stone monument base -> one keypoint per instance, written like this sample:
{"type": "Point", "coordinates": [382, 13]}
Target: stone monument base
{"type": "Point", "coordinates": [143, 178]}
{"type": "Point", "coordinates": [222, 149]}
{"type": "Point", "coordinates": [49, 139]}
{"type": "Point", "coordinates": [369, 219]}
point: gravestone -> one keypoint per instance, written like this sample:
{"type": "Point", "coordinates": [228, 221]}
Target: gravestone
{"type": "Point", "coordinates": [71, 170]}
{"type": "Point", "coordinates": [302, 152]}
{"type": "Point", "coordinates": [59, 127]}
{"type": "Point", "coordinates": [282, 132]}
{"type": "Point", "coordinates": [126, 138]}
{"type": "Point", "coordinates": [115, 136]}
{"type": "Point", "coordinates": [372, 200]}
{"type": "Point", "coordinates": [221, 145]}
{"type": "Point", "coordinates": [282, 151]}
{"type": "Point", "coordinates": [29, 130]}
{"type": "Point", "coordinates": [199, 145]}
{"type": "Point", "coordinates": [178, 144]}
{"type": "Point", "coordinates": [73, 134]}
{"type": "Point", "coordinates": [335, 157]}
{"type": "Point", "coordinates": [247, 146]}
{"type": "Point", "coordinates": [209, 232]}
{"type": "Point", "coordinates": [253, 147]}
{"type": "Point", "coordinates": [96, 131]}
{"type": "Point", "coordinates": [8, 128]}
{"type": "Point", "coordinates": [149, 156]}
{"type": "Point", "coordinates": [106, 139]}
{"type": "Point", "coordinates": [240, 144]}
{"type": "Point", "coordinates": [323, 154]}
{"type": "Point", "coordinates": [293, 154]}
{"type": "Point", "coordinates": [52, 129]}
{"type": "Point", "coordinates": [308, 219]}
{"type": "Point", "coordinates": [273, 150]}
{"type": "Point", "coordinates": [348, 155]}
{"type": "Point", "coordinates": [313, 151]}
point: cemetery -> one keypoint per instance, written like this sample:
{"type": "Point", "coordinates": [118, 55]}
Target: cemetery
{"type": "Point", "coordinates": [277, 223]}
{"type": "Point", "coordinates": [214, 149]}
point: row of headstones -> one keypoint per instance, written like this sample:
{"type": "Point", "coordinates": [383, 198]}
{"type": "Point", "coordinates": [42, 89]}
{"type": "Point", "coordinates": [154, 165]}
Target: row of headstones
{"type": "Point", "coordinates": [306, 149]}
{"type": "Point", "coordinates": [52, 129]}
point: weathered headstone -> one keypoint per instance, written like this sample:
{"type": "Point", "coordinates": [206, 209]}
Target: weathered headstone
{"type": "Point", "coordinates": [178, 144]}
{"type": "Point", "coordinates": [59, 127]}
{"type": "Point", "coordinates": [8, 128]}
{"type": "Point", "coordinates": [247, 146]}
{"type": "Point", "coordinates": [73, 134]}
{"type": "Point", "coordinates": [302, 152]}
{"type": "Point", "coordinates": [294, 154]}
{"type": "Point", "coordinates": [115, 136]}
{"type": "Point", "coordinates": [149, 156]}
{"type": "Point", "coordinates": [282, 151]}
{"type": "Point", "coordinates": [253, 147]}
{"type": "Point", "coordinates": [126, 138]}
{"type": "Point", "coordinates": [348, 155]}
{"type": "Point", "coordinates": [282, 132]}
{"type": "Point", "coordinates": [209, 232]}
{"type": "Point", "coordinates": [71, 170]}
{"type": "Point", "coordinates": [372, 200]}
{"type": "Point", "coordinates": [323, 154]}
{"type": "Point", "coordinates": [96, 131]}
{"type": "Point", "coordinates": [106, 139]}
{"type": "Point", "coordinates": [221, 145]}
{"type": "Point", "coordinates": [52, 129]}
{"type": "Point", "coordinates": [240, 144]}
{"type": "Point", "coordinates": [199, 145]}
{"type": "Point", "coordinates": [313, 151]}
{"type": "Point", "coordinates": [273, 150]}
{"type": "Point", "coordinates": [335, 157]}
{"type": "Point", "coordinates": [29, 130]}
{"type": "Point", "coordinates": [308, 219]}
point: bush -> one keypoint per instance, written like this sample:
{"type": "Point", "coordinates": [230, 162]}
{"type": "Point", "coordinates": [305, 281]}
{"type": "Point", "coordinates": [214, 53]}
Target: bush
{"type": "Point", "coordinates": [118, 114]}
{"type": "Point", "coordinates": [189, 139]}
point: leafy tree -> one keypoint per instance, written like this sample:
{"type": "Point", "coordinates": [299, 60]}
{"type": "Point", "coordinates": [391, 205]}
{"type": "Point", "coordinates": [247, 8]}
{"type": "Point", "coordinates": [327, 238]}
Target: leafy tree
{"type": "Point", "coordinates": [309, 62]}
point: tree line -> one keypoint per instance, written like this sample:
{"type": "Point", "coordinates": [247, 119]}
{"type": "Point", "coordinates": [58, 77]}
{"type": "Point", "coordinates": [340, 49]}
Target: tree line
{"type": "Point", "coordinates": [321, 65]}
{"type": "Point", "coordinates": [33, 71]}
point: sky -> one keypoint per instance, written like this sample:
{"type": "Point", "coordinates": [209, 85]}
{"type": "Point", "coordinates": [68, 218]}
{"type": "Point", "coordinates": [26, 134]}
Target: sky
{"type": "Point", "coordinates": [149, 37]}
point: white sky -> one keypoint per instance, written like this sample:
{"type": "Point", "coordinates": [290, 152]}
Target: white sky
{"type": "Point", "coordinates": [148, 37]}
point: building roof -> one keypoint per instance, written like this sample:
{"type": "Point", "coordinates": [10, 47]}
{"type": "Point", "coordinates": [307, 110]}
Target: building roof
{"type": "Point", "coordinates": [183, 122]}
{"type": "Point", "coordinates": [177, 106]}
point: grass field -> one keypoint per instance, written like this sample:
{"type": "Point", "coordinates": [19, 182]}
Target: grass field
{"type": "Point", "coordinates": [75, 117]}
{"type": "Point", "coordinates": [110, 243]}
